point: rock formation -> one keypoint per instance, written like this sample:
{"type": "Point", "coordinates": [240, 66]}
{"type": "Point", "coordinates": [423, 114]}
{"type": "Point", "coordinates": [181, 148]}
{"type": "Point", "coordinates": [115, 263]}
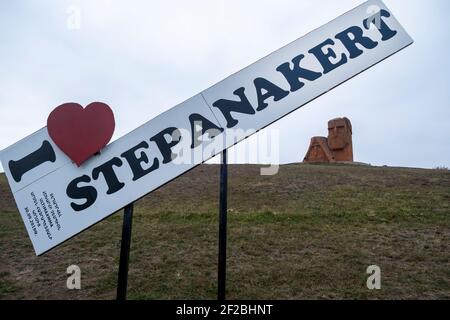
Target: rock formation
{"type": "Point", "coordinates": [338, 147]}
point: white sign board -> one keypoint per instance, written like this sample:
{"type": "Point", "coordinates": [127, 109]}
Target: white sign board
{"type": "Point", "coordinates": [57, 199]}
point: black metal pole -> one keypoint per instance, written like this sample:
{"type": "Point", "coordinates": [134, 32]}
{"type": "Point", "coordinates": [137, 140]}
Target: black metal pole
{"type": "Point", "coordinates": [222, 227]}
{"type": "Point", "coordinates": [124, 252]}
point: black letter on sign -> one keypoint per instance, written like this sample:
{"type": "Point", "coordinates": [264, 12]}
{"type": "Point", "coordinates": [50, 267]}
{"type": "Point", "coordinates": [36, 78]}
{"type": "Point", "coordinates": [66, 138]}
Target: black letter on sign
{"type": "Point", "coordinates": [324, 58]}
{"type": "Point", "coordinates": [228, 106]}
{"type": "Point", "coordinates": [135, 162]}
{"type": "Point", "coordinates": [272, 91]}
{"type": "Point", "coordinates": [88, 192]}
{"type": "Point", "coordinates": [380, 24]}
{"type": "Point", "coordinates": [206, 127]}
{"type": "Point", "coordinates": [293, 75]}
{"type": "Point", "coordinates": [358, 37]}
{"type": "Point", "coordinates": [110, 176]}
{"type": "Point", "coordinates": [164, 146]}
{"type": "Point", "coordinates": [43, 154]}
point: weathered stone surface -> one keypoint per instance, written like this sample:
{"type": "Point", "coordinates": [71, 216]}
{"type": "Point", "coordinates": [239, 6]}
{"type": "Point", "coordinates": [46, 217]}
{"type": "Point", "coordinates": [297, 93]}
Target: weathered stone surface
{"type": "Point", "coordinates": [338, 147]}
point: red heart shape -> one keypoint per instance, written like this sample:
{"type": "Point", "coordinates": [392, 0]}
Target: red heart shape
{"type": "Point", "coordinates": [81, 132]}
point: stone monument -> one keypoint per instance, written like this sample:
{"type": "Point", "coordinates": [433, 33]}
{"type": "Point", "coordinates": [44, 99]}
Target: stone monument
{"type": "Point", "coordinates": [338, 147]}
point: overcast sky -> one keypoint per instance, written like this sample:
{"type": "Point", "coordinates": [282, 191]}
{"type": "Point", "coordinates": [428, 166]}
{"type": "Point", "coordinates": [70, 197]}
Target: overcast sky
{"type": "Point", "coordinates": [144, 57]}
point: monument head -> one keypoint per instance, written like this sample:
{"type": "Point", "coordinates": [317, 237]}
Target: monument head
{"type": "Point", "coordinates": [339, 133]}
{"type": "Point", "coordinates": [317, 151]}
{"type": "Point", "coordinates": [316, 148]}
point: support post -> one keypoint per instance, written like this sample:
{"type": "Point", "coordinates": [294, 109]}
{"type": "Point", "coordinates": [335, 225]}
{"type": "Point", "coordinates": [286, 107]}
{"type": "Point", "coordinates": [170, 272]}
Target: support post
{"type": "Point", "coordinates": [222, 227]}
{"type": "Point", "coordinates": [124, 252]}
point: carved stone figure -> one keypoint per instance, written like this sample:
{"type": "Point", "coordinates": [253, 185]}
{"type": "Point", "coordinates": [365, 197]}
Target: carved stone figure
{"type": "Point", "coordinates": [338, 147]}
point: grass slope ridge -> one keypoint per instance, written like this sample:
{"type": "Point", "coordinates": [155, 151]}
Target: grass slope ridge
{"type": "Point", "coordinates": [308, 232]}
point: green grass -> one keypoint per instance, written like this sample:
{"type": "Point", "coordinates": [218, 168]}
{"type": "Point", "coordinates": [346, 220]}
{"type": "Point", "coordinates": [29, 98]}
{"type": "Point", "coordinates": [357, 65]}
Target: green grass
{"type": "Point", "coordinates": [308, 232]}
{"type": "Point", "coordinates": [6, 286]}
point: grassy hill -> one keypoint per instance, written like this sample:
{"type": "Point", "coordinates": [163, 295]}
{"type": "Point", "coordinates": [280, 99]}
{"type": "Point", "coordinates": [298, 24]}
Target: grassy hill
{"type": "Point", "coordinates": [308, 232]}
